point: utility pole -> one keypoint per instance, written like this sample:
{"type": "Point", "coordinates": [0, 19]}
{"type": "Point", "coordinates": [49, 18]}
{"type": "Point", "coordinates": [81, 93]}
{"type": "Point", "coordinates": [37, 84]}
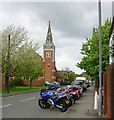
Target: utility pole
{"type": "Point", "coordinates": [8, 65]}
{"type": "Point", "coordinates": [100, 61]}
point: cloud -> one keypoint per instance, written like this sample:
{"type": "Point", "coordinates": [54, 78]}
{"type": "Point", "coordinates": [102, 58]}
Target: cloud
{"type": "Point", "coordinates": [71, 22]}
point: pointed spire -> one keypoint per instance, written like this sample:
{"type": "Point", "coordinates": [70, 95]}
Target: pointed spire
{"type": "Point", "coordinates": [49, 34]}
{"type": "Point", "coordinates": [49, 29]}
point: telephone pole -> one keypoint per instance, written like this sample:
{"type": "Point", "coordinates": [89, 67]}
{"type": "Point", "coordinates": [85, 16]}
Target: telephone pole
{"type": "Point", "coordinates": [8, 65]}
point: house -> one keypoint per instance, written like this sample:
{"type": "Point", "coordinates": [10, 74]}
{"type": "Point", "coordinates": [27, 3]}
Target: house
{"type": "Point", "coordinates": [62, 75]}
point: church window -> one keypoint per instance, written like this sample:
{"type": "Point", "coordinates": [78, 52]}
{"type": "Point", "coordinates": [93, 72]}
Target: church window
{"type": "Point", "coordinates": [48, 54]}
{"type": "Point", "coordinates": [48, 66]}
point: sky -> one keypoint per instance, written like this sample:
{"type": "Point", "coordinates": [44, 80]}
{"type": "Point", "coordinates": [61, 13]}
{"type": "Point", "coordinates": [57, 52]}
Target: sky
{"type": "Point", "coordinates": [71, 22]}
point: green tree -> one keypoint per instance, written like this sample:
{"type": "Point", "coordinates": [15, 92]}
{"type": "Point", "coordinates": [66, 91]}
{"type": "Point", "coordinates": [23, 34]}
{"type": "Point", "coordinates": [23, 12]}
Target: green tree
{"type": "Point", "coordinates": [24, 61]}
{"type": "Point", "coordinates": [29, 64]}
{"type": "Point", "coordinates": [17, 39]}
{"type": "Point", "coordinates": [90, 52]}
{"type": "Point", "coordinates": [71, 76]}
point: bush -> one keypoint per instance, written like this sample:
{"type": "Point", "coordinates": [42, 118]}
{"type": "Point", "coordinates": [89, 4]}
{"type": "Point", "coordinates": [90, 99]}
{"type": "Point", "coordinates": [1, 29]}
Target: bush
{"type": "Point", "coordinates": [16, 83]}
{"type": "Point", "coordinates": [11, 84]}
{"type": "Point", "coordinates": [67, 83]}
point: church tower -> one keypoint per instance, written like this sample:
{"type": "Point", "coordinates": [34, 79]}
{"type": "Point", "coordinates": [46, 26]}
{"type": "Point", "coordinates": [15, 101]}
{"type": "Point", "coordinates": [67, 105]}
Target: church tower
{"type": "Point", "coordinates": [49, 57]}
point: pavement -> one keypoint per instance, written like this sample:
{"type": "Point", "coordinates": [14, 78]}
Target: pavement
{"type": "Point", "coordinates": [84, 108]}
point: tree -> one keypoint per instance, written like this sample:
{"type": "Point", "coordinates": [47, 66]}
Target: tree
{"type": "Point", "coordinates": [90, 52]}
{"type": "Point", "coordinates": [71, 76]}
{"type": "Point", "coordinates": [24, 61]}
{"type": "Point", "coordinates": [29, 65]}
{"type": "Point", "coordinates": [17, 38]}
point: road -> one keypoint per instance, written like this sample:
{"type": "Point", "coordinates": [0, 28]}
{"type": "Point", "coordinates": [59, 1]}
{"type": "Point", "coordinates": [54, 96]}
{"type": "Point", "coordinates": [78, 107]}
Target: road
{"type": "Point", "coordinates": [25, 106]}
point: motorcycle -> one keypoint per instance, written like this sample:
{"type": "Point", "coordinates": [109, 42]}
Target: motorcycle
{"type": "Point", "coordinates": [53, 86]}
{"type": "Point", "coordinates": [70, 96]}
{"type": "Point", "coordinates": [49, 99]}
{"type": "Point", "coordinates": [80, 90]}
{"type": "Point", "coordinates": [75, 91]}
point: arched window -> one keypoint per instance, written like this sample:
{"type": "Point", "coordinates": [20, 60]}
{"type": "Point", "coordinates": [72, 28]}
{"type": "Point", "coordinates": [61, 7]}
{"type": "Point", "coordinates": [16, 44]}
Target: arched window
{"type": "Point", "coordinates": [48, 54]}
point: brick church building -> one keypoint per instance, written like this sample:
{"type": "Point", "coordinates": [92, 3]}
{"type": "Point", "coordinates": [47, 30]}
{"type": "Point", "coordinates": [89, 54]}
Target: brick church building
{"type": "Point", "coordinates": [49, 57]}
{"type": "Point", "coordinates": [50, 72]}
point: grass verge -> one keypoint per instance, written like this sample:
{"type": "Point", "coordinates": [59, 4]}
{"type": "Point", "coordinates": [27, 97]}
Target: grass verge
{"type": "Point", "coordinates": [22, 89]}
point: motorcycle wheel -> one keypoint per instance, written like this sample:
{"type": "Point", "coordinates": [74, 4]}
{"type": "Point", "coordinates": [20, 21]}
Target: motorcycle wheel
{"type": "Point", "coordinates": [64, 107]}
{"type": "Point", "coordinates": [42, 104]}
{"type": "Point", "coordinates": [73, 100]}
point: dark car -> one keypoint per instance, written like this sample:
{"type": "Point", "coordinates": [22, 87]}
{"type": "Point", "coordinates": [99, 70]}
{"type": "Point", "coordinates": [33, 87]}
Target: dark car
{"type": "Point", "coordinates": [54, 86]}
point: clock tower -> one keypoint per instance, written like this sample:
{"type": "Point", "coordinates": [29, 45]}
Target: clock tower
{"type": "Point", "coordinates": [49, 57]}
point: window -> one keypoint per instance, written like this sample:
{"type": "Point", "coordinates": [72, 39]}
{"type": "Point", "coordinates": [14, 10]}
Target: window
{"type": "Point", "coordinates": [48, 66]}
{"type": "Point", "coordinates": [48, 54]}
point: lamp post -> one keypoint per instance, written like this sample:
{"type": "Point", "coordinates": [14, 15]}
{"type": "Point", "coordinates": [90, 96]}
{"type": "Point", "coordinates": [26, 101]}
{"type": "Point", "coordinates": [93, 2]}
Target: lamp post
{"type": "Point", "coordinates": [100, 61]}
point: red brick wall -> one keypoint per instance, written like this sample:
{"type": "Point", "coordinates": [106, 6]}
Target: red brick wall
{"type": "Point", "coordinates": [105, 93]}
{"type": "Point", "coordinates": [40, 81]}
{"type": "Point", "coordinates": [109, 89]}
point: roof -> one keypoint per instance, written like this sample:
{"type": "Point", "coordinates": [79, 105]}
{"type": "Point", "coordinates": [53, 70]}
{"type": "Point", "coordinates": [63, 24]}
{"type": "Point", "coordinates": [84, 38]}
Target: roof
{"type": "Point", "coordinates": [59, 74]}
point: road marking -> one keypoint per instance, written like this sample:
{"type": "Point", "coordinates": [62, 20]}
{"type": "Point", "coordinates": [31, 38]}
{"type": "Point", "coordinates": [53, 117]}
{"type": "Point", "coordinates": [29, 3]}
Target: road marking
{"type": "Point", "coordinates": [27, 99]}
{"type": "Point", "coordinates": [9, 97]}
{"type": "Point", "coordinates": [5, 105]}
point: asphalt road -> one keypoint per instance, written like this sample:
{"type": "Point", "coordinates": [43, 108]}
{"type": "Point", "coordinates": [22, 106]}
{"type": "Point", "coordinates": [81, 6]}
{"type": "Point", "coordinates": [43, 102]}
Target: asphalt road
{"type": "Point", "coordinates": [25, 106]}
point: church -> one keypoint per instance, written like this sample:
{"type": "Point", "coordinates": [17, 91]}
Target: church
{"type": "Point", "coordinates": [48, 62]}
{"type": "Point", "coordinates": [50, 72]}
{"type": "Point", "coordinates": [49, 57]}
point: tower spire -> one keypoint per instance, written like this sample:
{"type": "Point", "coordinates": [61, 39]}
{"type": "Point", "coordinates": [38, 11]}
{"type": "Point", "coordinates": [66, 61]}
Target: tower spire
{"type": "Point", "coordinates": [49, 34]}
{"type": "Point", "coordinates": [49, 28]}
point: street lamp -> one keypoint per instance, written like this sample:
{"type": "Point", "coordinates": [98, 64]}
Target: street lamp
{"type": "Point", "coordinates": [100, 60]}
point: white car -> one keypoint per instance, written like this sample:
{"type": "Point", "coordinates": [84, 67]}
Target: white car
{"type": "Point", "coordinates": [82, 79]}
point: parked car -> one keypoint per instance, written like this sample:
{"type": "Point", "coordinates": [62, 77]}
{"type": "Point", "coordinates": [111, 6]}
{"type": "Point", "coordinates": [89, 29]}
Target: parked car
{"type": "Point", "coordinates": [80, 86]}
{"type": "Point", "coordinates": [53, 86]}
{"type": "Point", "coordinates": [88, 83]}
{"type": "Point", "coordinates": [80, 78]}
{"type": "Point", "coordinates": [83, 80]}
